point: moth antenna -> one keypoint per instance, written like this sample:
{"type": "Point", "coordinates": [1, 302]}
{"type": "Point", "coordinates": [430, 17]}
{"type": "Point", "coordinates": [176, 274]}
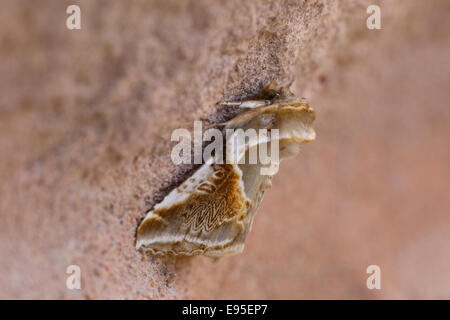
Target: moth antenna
{"type": "Point", "coordinates": [220, 124]}
{"type": "Point", "coordinates": [229, 103]}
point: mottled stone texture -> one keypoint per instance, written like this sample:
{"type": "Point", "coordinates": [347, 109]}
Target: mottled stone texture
{"type": "Point", "coordinates": [85, 124]}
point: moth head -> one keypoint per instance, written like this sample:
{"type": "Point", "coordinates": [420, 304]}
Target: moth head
{"type": "Point", "coordinates": [274, 93]}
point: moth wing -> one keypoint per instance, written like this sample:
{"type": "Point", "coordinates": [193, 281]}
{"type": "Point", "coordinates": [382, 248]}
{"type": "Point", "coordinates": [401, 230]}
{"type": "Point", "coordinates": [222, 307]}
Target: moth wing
{"type": "Point", "coordinates": [295, 127]}
{"type": "Point", "coordinates": [204, 215]}
{"type": "Point", "coordinates": [254, 183]}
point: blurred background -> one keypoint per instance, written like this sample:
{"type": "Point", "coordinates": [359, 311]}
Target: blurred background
{"type": "Point", "coordinates": [85, 123]}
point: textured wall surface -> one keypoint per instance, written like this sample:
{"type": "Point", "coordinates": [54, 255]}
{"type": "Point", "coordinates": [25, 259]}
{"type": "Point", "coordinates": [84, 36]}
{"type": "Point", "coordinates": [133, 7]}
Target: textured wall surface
{"type": "Point", "coordinates": [85, 123]}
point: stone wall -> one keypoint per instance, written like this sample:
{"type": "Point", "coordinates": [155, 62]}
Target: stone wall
{"type": "Point", "coordinates": [85, 124]}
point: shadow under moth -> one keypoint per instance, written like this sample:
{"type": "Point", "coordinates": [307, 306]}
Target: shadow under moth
{"type": "Point", "coordinates": [212, 211]}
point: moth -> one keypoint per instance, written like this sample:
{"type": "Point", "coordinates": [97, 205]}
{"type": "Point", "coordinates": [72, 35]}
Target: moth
{"type": "Point", "coordinates": [212, 211]}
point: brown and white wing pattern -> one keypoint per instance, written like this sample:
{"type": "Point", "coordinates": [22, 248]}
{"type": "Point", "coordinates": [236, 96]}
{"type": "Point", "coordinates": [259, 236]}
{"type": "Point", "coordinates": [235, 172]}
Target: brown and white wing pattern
{"type": "Point", "coordinates": [204, 215]}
